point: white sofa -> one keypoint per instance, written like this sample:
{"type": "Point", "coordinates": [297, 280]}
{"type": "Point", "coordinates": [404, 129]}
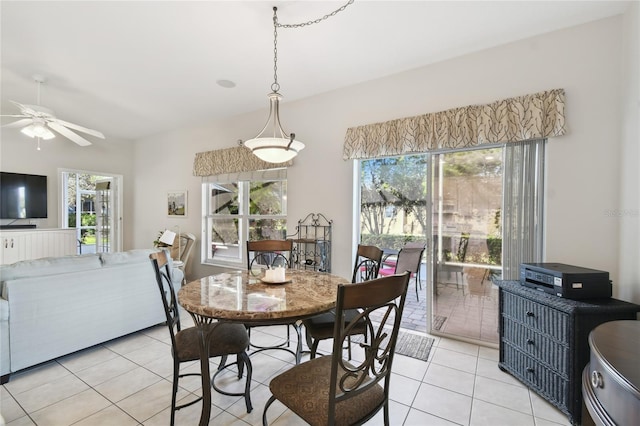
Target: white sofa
{"type": "Point", "coordinates": [55, 306]}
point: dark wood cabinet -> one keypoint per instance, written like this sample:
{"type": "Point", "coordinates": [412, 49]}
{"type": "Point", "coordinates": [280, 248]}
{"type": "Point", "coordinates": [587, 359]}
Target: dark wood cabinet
{"type": "Point", "coordinates": [544, 340]}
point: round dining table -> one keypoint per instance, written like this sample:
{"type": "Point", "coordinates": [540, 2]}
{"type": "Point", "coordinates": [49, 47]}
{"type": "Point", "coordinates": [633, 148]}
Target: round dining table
{"type": "Point", "coordinates": [245, 297]}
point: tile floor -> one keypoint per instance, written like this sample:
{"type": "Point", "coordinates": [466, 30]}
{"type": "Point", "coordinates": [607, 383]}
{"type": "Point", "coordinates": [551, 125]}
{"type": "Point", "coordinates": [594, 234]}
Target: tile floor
{"type": "Point", "coordinates": [127, 381]}
{"type": "Point", "coordinates": [470, 307]}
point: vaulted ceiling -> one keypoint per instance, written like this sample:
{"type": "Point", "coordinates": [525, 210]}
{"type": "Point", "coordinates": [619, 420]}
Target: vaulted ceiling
{"type": "Point", "coordinates": [134, 69]}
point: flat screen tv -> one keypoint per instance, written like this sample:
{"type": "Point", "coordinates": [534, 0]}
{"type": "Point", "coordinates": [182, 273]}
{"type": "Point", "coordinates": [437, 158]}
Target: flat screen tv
{"type": "Point", "coordinates": [23, 196]}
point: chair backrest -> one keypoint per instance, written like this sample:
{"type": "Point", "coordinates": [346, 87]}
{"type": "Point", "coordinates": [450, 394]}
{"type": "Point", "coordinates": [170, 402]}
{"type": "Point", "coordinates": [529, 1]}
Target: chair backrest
{"type": "Point", "coordinates": [160, 264]}
{"type": "Point", "coordinates": [409, 259]}
{"type": "Point", "coordinates": [415, 244]}
{"type": "Point", "coordinates": [367, 264]}
{"type": "Point", "coordinates": [187, 241]}
{"type": "Point", "coordinates": [462, 247]}
{"type": "Point", "coordinates": [269, 253]}
{"type": "Point", "coordinates": [382, 298]}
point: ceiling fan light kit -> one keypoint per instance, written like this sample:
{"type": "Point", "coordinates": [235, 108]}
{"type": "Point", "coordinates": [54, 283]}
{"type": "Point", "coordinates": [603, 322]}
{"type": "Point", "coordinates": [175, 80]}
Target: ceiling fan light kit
{"type": "Point", "coordinates": [38, 122]}
{"type": "Point", "coordinates": [38, 129]}
{"type": "Point", "coordinates": [273, 144]}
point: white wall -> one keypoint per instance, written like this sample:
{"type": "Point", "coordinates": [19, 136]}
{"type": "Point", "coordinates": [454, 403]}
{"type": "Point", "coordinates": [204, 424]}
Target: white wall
{"type": "Point", "coordinates": [583, 168]}
{"type": "Point", "coordinates": [591, 171]}
{"type": "Point", "coordinates": [18, 154]}
{"type": "Point", "coordinates": [629, 218]}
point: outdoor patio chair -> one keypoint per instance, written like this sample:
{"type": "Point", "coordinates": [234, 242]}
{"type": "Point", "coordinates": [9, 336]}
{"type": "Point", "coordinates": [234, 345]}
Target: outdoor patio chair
{"type": "Point", "coordinates": [409, 259]}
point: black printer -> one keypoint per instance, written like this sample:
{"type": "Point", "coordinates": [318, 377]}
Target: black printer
{"type": "Point", "coordinates": [570, 282]}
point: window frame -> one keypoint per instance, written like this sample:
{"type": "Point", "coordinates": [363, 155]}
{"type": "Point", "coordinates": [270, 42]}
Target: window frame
{"type": "Point", "coordinates": [244, 216]}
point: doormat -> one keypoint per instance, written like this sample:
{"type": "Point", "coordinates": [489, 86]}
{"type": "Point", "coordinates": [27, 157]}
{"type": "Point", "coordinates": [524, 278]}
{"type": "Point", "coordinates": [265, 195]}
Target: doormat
{"type": "Point", "coordinates": [438, 321]}
{"type": "Point", "coordinates": [409, 344]}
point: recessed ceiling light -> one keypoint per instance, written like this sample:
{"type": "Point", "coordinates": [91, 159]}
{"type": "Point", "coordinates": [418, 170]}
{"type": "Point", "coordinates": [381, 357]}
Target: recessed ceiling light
{"type": "Point", "coordinates": [227, 84]}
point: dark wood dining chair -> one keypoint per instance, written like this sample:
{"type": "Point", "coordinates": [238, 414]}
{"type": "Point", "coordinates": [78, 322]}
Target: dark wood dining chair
{"type": "Point", "coordinates": [224, 339]}
{"type": "Point", "coordinates": [271, 254]}
{"type": "Point", "coordinates": [331, 390]}
{"type": "Point", "coordinates": [321, 327]}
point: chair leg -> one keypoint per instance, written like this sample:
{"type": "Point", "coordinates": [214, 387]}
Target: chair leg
{"type": "Point", "coordinates": [247, 387]}
{"type": "Point", "coordinates": [266, 406]}
{"type": "Point", "coordinates": [298, 328]}
{"type": "Point", "coordinates": [484, 276]}
{"type": "Point", "coordinates": [176, 374]}
{"type": "Point", "coordinates": [223, 362]}
{"type": "Point", "coordinates": [314, 348]}
{"type": "Point", "coordinates": [240, 364]}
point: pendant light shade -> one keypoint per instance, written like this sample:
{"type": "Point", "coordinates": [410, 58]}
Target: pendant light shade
{"type": "Point", "coordinates": [273, 144]}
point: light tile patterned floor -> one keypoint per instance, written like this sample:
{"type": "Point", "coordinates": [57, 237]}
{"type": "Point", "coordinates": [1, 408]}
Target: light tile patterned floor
{"type": "Point", "coordinates": [128, 382]}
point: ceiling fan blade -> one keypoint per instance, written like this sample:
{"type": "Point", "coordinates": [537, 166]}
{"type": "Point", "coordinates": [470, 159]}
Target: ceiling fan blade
{"type": "Point", "coordinates": [15, 115]}
{"type": "Point", "coordinates": [79, 128]}
{"type": "Point", "coordinates": [19, 123]}
{"type": "Point", "coordinates": [24, 109]}
{"type": "Point", "coordinates": [68, 133]}
{"type": "Point", "coordinates": [34, 110]}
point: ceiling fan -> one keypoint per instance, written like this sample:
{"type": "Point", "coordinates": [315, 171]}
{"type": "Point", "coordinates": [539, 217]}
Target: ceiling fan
{"type": "Point", "coordinates": [38, 121]}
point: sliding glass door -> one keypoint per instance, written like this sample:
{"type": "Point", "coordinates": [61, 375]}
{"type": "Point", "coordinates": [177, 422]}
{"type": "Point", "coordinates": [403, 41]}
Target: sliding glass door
{"type": "Point", "coordinates": [450, 202]}
{"type": "Point", "coordinates": [467, 243]}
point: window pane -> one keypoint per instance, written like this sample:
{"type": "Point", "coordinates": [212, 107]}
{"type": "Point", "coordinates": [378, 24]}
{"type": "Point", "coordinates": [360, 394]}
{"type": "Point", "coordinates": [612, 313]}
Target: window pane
{"type": "Point", "coordinates": [225, 231]}
{"type": "Point", "coordinates": [267, 198]}
{"type": "Point", "coordinates": [267, 229]}
{"type": "Point", "coordinates": [393, 195]}
{"type": "Point", "coordinates": [224, 198]}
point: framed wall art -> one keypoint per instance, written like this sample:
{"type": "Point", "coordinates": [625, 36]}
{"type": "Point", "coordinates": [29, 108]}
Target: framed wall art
{"type": "Point", "coordinates": [177, 203]}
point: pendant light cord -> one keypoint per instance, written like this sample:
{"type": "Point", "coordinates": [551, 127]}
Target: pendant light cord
{"type": "Point", "coordinates": [275, 86]}
{"type": "Point", "coordinates": [315, 21]}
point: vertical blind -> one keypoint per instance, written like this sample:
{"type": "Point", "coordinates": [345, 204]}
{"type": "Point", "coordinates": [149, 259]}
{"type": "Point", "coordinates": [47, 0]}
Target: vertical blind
{"type": "Point", "coordinates": [523, 188]}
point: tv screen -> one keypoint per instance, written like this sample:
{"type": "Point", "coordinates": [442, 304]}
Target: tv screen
{"type": "Point", "coordinates": [23, 196]}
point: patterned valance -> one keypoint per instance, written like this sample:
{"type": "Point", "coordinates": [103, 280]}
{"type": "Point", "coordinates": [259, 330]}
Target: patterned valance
{"type": "Point", "coordinates": [540, 115]}
{"type": "Point", "coordinates": [230, 160]}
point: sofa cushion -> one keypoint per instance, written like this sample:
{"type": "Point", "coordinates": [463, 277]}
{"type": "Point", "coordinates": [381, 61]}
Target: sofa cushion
{"type": "Point", "coordinates": [49, 266]}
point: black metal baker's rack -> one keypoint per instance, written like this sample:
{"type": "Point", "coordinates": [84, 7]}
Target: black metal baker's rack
{"type": "Point", "coordinates": [312, 243]}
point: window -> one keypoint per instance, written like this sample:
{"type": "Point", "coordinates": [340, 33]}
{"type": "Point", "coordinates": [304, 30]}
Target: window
{"type": "Point", "coordinates": [237, 210]}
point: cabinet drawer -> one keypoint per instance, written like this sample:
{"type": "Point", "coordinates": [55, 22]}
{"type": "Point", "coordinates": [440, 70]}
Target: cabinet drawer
{"type": "Point", "coordinates": [548, 383]}
{"type": "Point", "coordinates": [545, 319]}
{"type": "Point", "coordinates": [553, 354]}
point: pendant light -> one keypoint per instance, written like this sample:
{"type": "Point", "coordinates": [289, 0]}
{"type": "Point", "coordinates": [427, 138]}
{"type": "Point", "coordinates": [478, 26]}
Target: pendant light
{"type": "Point", "coordinates": [273, 144]}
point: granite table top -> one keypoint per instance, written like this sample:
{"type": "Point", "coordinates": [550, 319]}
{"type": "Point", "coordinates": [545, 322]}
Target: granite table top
{"type": "Point", "coordinates": [242, 296]}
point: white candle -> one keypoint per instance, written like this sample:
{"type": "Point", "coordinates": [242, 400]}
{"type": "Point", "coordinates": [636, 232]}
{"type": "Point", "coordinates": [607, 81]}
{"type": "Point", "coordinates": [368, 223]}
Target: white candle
{"type": "Point", "coordinates": [269, 275]}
